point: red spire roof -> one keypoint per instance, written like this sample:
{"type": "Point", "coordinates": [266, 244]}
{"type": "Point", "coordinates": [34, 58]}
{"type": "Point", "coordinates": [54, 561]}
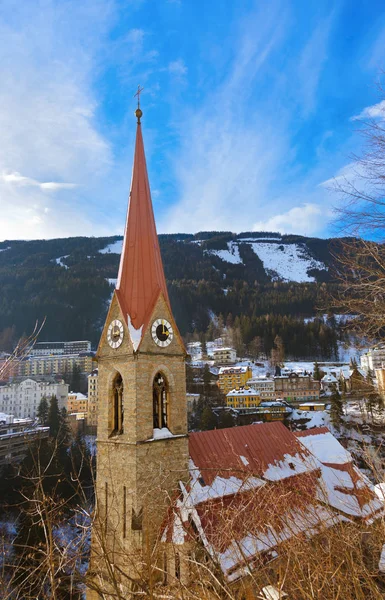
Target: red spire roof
{"type": "Point", "coordinates": [141, 277]}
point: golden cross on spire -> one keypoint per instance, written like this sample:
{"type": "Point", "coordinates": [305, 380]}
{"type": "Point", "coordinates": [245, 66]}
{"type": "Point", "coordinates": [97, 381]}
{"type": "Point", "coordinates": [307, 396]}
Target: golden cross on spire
{"type": "Point", "coordinates": [138, 112]}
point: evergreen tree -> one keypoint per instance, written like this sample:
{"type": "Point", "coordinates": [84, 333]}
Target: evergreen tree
{"type": "Point", "coordinates": [42, 411]}
{"type": "Point", "coordinates": [207, 380]}
{"type": "Point", "coordinates": [226, 419]}
{"type": "Point", "coordinates": [208, 419]}
{"type": "Point", "coordinates": [203, 346]}
{"type": "Point", "coordinates": [54, 419]}
{"type": "Point", "coordinates": [76, 379]}
{"type": "Point", "coordinates": [64, 433]}
{"type": "Point", "coordinates": [317, 372]}
{"type": "Point", "coordinates": [336, 409]}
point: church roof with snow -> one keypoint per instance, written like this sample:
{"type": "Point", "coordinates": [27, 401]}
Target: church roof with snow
{"type": "Point", "coordinates": [254, 487]}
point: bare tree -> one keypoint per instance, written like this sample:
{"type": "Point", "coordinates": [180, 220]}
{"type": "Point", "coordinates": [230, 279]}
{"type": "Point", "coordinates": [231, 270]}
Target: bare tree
{"type": "Point", "coordinates": [360, 264]}
{"type": "Point", "coordinates": [23, 347]}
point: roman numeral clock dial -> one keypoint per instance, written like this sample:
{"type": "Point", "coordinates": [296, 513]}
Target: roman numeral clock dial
{"type": "Point", "coordinates": [162, 333]}
{"type": "Point", "coordinates": [115, 333]}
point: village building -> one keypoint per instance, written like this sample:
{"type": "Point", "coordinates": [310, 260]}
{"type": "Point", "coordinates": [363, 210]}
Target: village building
{"type": "Point", "coordinates": [242, 478]}
{"type": "Point", "coordinates": [329, 384]}
{"type": "Point", "coordinates": [355, 381]}
{"type": "Point", "coordinates": [58, 364]}
{"type": "Point", "coordinates": [233, 377]}
{"type": "Point", "coordinates": [16, 435]}
{"type": "Point", "coordinates": [22, 397]}
{"type": "Point", "coordinates": [244, 397]}
{"type": "Point", "coordinates": [264, 386]}
{"type": "Point", "coordinates": [58, 348]}
{"type": "Point", "coordinates": [224, 356]}
{"type": "Point", "coordinates": [296, 388]}
{"type": "Point", "coordinates": [77, 403]}
{"type": "Point", "coordinates": [373, 358]}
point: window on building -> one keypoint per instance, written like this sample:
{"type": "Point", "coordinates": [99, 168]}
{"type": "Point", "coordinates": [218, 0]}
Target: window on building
{"type": "Point", "coordinates": [160, 401]}
{"type": "Point", "coordinates": [118, 404]}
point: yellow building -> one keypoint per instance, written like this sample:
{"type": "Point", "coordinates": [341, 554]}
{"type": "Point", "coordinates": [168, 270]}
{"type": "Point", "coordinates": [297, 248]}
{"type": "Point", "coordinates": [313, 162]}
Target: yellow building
{"type": "Point", "coordinates": [231, 378]}
{"type": "Point", "coordinates": [77, 403]}
{"type": "Point", "coordinates": [312, 406]}
{"type": "Point", "coordinates": [56, 365]}
{"type": "Point", "coordinates": [242, 398]}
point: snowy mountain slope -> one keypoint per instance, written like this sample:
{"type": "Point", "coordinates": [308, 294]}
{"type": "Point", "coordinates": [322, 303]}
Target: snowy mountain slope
{"type": "Point", "coordinates": [281, 261]}
{"type": "Point", "coordinates": [231, 255]}
{"type": "Point", "coordinates": [287, 262]}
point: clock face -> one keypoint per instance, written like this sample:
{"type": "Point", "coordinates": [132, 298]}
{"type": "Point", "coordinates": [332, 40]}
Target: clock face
{"type": "Point", "coordinates": [162, 332]}
{"type": "Point", "coordinates": [115, 333]}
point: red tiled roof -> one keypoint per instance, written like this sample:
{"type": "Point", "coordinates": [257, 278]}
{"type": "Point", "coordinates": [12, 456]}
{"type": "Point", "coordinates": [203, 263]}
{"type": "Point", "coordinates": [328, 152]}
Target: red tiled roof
{"type": "Point", "coordinates": [314, 431]}
{"type": "Point", "coordinates": [234, 517]}
{"type": "Point", "coordinates": [218, 452]}
{"type": "Point", "coordinates": [141, 278]}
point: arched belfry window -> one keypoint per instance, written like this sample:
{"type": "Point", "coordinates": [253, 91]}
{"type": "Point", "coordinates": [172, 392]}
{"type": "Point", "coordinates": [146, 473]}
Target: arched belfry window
{"type": "Point", "coordinates": [160, 401]}
{"type": "Point", "coordinates": [118, 404]}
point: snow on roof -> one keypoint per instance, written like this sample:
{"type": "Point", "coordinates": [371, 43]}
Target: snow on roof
{"type": "Point", "coordinates": [247, 391]}
{"type": "Point", "coordinates": [324, 446]}
{"type": "Point", "coordinates": [223, 350]}
{"type": "Point", "coordinates": [224, 370]}
{"type": "Point", "coordinates": [379, 489]}
{"type": "Point", "coordinates": [243, 478]}
{"type": "Point", "coordinates": [265, 446]}
{"type": "Point", "coordinates": [329, 378]}
{"type": "Point", "coordinates": [78, 395]}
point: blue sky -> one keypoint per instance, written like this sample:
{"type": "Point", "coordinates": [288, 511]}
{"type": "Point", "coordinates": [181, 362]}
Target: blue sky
{"type": "Point", "coordinates": [249, 108]}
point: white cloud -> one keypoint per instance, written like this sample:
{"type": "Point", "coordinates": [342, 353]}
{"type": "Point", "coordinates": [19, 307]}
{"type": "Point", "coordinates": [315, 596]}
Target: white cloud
{"type": "Point", "coordinates": [376, 111]}
{"type": "Point", "coordinates": [14, 178]}
{"type": "Point", "coordinates": [177, 67]}
{"type": "Point", "coordinates": [47, 117]}
{"type": "Point", "coordinates": [304, 220]}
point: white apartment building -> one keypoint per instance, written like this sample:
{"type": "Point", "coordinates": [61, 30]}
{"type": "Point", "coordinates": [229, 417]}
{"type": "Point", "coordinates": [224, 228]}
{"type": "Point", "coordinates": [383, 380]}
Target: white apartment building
{"type": "Point", "coordinates": [373, 358]}
{"type": "Point", "coordinates": [52, 348]}
{"type": "Point", "coordinates": [92, 412]}
{"type": "Point", "coordinates": [22, 399]}
{"type": "Point", "coordinates": [264, 387]}
{"type": "Point", "coordinates": [224, 356]}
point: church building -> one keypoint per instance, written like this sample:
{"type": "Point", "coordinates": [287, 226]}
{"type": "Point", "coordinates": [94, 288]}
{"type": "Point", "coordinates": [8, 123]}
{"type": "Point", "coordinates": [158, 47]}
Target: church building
{"type": "Point", "coordinates": [166, 503]}
{"type": "Point", "coordinates": [142, 450]}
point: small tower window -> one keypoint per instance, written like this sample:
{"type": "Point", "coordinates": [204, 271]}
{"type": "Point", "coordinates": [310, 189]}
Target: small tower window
{"type": "Point", "coordinates": [118, 404]}
{"type": "Point", "coordinates": [160, 401]}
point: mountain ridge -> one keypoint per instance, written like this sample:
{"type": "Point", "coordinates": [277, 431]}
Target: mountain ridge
{"type": "Point", "coordinates": [70, 280]}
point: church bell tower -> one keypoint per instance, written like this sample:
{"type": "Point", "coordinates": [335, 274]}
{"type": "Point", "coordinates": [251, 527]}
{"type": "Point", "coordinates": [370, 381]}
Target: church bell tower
{"type": "Point", "coordinates": [142, 450]}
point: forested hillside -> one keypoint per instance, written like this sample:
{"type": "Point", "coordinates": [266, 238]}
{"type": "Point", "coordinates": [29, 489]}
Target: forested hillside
{"type": "Point", "coordinates": [248, 275]}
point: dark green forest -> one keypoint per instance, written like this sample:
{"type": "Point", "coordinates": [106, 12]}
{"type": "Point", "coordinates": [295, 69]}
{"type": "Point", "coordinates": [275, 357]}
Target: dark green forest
{"type": "Point", "coordinates": [73, 293]}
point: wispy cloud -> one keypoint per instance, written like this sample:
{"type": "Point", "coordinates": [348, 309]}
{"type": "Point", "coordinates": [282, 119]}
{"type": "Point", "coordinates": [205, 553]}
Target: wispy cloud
{"type": "Point", "coordinates": [303, 220]}
{"type": "Point", "coordinates": [47, 116]}
{"type": "Point", "coordinates": [177, 67]}
{"type": "Point", "coordinates": [376, 111]}
{"type": "Point", "coordinates": [235, 155]}
{"type": "Point", "coordinates": [14, 178]}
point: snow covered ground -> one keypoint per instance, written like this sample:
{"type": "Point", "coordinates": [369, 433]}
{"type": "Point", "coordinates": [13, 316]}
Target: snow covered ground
{"type": "Point", "coordinates": [59, 261]}
{"type": "Point", "coordinates": [114, 248]}
{"type": "Point", "coordinates": [287, 262]}
{"type": "Point", "coordinates": [231, 255]}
